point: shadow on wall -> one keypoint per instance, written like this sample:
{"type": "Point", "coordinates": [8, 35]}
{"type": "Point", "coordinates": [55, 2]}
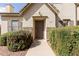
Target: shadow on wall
{"type": "Point", "coordinates": [59, 22]}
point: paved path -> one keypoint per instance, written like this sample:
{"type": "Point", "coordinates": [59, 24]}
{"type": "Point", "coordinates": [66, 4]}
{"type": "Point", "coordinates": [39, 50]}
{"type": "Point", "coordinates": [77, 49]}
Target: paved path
{"type": "Point", "coordinates": [40, 48]}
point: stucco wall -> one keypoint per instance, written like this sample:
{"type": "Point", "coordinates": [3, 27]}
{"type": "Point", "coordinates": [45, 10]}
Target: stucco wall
{"type": "Point", "coordinates": [67, 11]}
{"type": "Point", "coordinates": [78, 13]}
{"type": "Point", "coordinates": [37, 10]}
{"type": "Point", "coordinates": [0, 24]}
{"type": "Point", "coordinates": [0, 19]}
{"type": "Point", "coordinates": [4, 26]}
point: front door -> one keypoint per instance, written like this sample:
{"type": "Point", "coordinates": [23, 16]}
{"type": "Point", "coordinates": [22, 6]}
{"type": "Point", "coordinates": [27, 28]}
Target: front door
{"type": "Point", "coordinates": [39, 29]}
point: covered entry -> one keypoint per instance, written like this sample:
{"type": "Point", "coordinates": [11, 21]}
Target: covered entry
{"type": "Point", "coordinates": [39, 27]}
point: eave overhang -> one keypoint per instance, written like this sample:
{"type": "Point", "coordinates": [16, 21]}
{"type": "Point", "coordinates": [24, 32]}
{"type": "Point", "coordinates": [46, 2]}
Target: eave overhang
{"type": "Point", "coordinates": [10, 14]}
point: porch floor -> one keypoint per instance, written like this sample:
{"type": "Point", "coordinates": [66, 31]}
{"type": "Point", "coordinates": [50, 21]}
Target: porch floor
{"type": "Point", "coordinates": [40, 48]}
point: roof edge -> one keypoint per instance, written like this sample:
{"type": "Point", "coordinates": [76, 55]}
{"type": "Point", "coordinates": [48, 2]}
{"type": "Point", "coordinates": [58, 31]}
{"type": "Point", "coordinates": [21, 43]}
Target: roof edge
{"type": "Point", "coordinates": [53, 7]}
{"type": "Point", "coordinates": [25, 7]}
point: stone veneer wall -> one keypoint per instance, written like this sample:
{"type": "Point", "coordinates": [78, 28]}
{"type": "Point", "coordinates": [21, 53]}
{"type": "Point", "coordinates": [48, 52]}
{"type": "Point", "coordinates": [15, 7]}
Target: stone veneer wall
{"type": "Point", "coordinates": [28, 29]}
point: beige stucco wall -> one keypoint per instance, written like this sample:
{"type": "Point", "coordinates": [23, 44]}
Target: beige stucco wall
{"type": "Point", "coordinates": [78, 13]}
{"type": "Point", "coordinates": [37, 10]}
{"type": "Point", "coordinates": [4, 23]}
{"type": "Point", "coordinates": [67, 11]}
{"type": "Point", "coordinates": [4, 28]}
{"type": "Point", "coordinates": [0, 19]}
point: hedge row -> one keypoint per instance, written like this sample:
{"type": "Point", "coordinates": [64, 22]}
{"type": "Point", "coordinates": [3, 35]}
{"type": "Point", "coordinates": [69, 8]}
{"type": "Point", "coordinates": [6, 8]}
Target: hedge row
{"type": "Point", "coordinates": [16, 41]}
{"type": "Point", "coordinates": [65, 41]}
{"type": "Point", "coordinates": [3, 40]}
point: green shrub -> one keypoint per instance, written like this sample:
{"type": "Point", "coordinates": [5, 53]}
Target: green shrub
{"type": "Point", "coordinates": [19, 40]}
{"type": "Point", "coordinates": [65, 41]}
{"type": "Point", "coordinates": [3, 40]}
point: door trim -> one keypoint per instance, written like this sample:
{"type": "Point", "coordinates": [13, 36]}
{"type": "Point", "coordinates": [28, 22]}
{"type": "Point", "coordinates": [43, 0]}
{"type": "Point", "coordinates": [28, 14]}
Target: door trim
{"type": "Point", "coordinates": [38, 18]}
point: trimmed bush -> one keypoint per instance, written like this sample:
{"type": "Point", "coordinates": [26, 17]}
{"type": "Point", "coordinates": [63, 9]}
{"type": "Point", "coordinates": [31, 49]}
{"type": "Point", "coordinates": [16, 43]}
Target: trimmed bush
{"type": "Point", "coordinates": [3, 40]}
{"type": "Point", "coordinates": [19, 40]}
{"type": "Point", "coordinates": [65, 41]}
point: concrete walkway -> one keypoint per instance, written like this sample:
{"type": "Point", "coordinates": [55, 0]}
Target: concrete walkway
{"type": "Point", "coordinates": [40, 48]}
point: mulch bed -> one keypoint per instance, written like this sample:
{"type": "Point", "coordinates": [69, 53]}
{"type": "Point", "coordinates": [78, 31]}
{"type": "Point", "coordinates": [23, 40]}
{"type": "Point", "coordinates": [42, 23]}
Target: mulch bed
{"type": "Point", "coordinates": [5, 52]}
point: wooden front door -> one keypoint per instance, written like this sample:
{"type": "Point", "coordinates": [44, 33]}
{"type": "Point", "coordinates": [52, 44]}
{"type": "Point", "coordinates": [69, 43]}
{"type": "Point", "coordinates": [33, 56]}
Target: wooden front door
{"type": "Point", "coordinates": [39, 29]}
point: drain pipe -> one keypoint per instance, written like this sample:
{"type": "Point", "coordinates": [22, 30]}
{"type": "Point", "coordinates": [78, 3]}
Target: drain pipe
{"type": "Point", "coordinates": [75, 22]}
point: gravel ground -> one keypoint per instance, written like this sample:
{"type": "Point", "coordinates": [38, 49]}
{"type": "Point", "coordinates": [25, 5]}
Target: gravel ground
{"type": "Point", "coordinates": [5, 52]}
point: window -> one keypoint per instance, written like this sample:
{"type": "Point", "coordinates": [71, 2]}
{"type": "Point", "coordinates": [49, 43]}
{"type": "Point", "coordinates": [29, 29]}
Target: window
{"type": "Point", "coordinates": [14, 25]}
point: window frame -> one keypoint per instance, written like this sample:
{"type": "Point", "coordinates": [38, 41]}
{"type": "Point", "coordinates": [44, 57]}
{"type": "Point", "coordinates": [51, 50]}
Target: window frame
{"type": "Point", "coordinates": [10, 26]}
